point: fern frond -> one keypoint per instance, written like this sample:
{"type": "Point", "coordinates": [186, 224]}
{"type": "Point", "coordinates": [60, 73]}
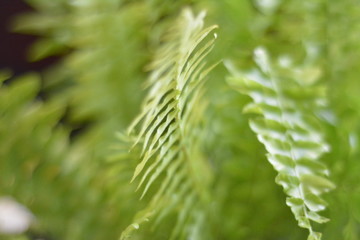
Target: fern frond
{"type": "Point", "coordinates": [289, 131]}
{"type": "Point", "coordinates": [169, 134]}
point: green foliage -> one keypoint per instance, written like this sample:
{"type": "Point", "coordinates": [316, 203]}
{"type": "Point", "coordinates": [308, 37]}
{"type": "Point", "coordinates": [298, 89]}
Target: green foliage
{"type": "Point", "coordinates": [41, 167]}
{"type": "Point", "coordinates": [201, 164]}
{"type": "Point", "coordinates": [169, 135]}
{"type": "Point", "coordinates": [32, 147]}
{"type": "Point", "coordinates": [289, 132]}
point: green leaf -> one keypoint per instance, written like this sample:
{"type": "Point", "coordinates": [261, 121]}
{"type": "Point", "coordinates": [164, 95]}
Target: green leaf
{"type": "Point", "coordinates": [170, 122]}
{"type": "Point", "coordinates": [288, 129]}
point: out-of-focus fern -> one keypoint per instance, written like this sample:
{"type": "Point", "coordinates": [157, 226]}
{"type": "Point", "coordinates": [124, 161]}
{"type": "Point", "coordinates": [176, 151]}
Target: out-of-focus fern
{"type": "Point", "coordinates": [290, 133]}
{"type": "Point", "coordinates": [106, 44]}
{"type": "Point", "coordinates": [170, 134]}
{"type": "Point", "coordinates": [343, 57]}
{"type": "Point", "coordinates": [32, 147]}
{"type": "Point", "coordinates": [40, 168]}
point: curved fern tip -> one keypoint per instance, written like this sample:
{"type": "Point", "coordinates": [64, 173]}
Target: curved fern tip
{"type": "Point", "coordinates": [169, 122]}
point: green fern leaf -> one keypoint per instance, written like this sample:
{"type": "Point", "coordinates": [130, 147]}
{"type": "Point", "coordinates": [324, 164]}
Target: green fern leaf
{"type": "Point", "coordinates": [290, 133]}
{"type": "Point", "coordinates": [170, 132]}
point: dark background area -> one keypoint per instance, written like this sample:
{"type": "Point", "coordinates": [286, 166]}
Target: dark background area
{"type": "Point", "coordinates": [13, 46]}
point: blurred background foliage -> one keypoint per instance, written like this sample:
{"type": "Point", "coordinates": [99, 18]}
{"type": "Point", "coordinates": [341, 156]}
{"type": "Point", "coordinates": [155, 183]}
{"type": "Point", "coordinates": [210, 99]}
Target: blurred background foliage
{"type": "Point", "coordinates": [59, 152]}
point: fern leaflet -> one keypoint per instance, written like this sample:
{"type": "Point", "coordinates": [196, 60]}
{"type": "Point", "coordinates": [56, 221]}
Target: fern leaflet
{"type": "Point", "coordinates": [170, 133]}
{"type": "Point", "coordinates": [289, 132]}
